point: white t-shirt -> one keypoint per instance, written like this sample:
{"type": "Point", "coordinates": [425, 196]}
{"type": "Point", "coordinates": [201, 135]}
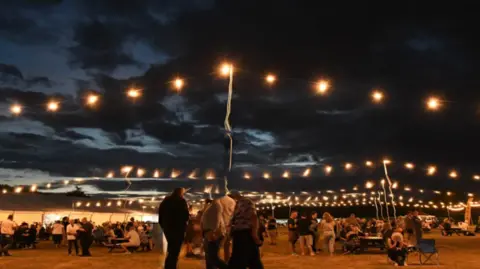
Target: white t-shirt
{"type": "Point", "coordinates": [72, 232]}
{"type": "Point", "coordinates": [134, 238]}
{"type": "Point", "coordinates": [8, 227]}
{"type": "Point", "coordinates": [57, 228]}
{"type": "Point", "coordinates": [228, 207]}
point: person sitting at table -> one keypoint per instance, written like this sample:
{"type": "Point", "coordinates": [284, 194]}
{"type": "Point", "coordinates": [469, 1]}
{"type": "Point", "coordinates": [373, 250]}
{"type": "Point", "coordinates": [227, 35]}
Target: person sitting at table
{"type": "Point", "coordinates": [397, 251]}
{"type": "Point", "coordinates": [387, 232]}
{"type": "Point", "coordinates": [352, 240]}
{"type": "Point", "coordinates": [133, 239]}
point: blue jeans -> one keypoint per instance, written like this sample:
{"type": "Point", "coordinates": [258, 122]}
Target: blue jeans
{"type": "Point", "coordinates": [211, 254]}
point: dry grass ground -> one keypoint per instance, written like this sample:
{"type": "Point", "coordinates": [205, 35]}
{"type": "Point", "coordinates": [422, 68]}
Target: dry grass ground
{"type": "Point", "coordinates": [455, 252]}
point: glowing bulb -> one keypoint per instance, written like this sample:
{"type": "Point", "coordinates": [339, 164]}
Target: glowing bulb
{"type": "Point", "coordinates": [210, 175]}
{"type": "Point", "coordinates": [33, 188]}
{"type": "Point", "coordinates": [246, 176]}
{"type": "Point", "coordinates": [92, 99]}
{"type": "Point", "coordinates": [110, 175]}
{"type": "Point", "coordinates": [266, 175]}
{"type": "Point", "coordinates": [4, 191]}
{"type": "Point", "coordinates": [78, 204]}
{"type": "Point", "coordinates": [453, 174]}
{"type": "Point", "coordinates": [225, 69]}
{"type": "Point", "coordinates": [156, 174]}
{"type": "Point", "coordinates": [52, 106]}
{"type": "Point", "coordinates": [328, 169]}
{"type": "Point", "coordinates": [377, 96]}
{"type": "Point", "coordinates": [369, 185]}
{"type": "Point", "coordinates": [270, 79]}
{"type": "Point", "coordinates": [409, 166]}
{"type": "Point", "coordinates": [66, 182]}
{"type": "Point", "coordinates": [16, 109]}
{"type": "Point", "coordinates": [178, 84]}
{"type": "Point", "coordinates": [433, 103]}
{"type": "Point", "coordinates": [87, 205]}
{"type": "Point", "coordinates": [140, 172]}
{"type": "Point", "coordinates": [126, 169]}
{"type": "Point", "coordinates": [476, 177]}
{"type": "Point", "coordinates": [286, 174]}
{"type": "Point", "coordinates": [382, 182]}
{"type": "Point", "coordinates": [395, 185]}
{"type": "Point", "coordinates": [322, 86]}
{"type": "Point", "coordinates": [368, 164]}
{"type": "Point", "coordinates": [119, 203]}
{"type": "Point", "coordinates": [174, 174]}
{"type": "Point", "coordinates": [98, 204]}
{"type": "Point", "coordinates": [348, 166]}
{"type": "Point", "coordinates": [387, 161]}
{"type": "Point", "coordinates": [109, 203]}
{"type": "Point", "coordinates": [306, 173]}
{"type": "Point", "coordinates": [18, 189]}
{"type": "Point", "coordinates": [431, 170]}
{"type": "Point", "coordinates": [133, 93]}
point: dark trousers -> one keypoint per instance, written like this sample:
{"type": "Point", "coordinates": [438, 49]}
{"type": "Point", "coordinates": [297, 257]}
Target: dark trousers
{"type": "Point", "coordinates": [174, 245]}
{"type": "Point", "coordinates": [86, 243]}
{"type": "Point", "coordinates": [245, 252]}
{"type": "Point", "coordinates": [5, 243]}
{"type": "Point", "coordinates": [72, 243]}
{"type": "Point", "coordinates": [211, 254]}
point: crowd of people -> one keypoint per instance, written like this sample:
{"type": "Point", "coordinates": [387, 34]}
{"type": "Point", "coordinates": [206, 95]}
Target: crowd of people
{"type": "Point", "coordinates": [232, 219]}
{"type": "Point", "coordinates": [230, 222]}
{"type": "Point", "coordinates": [77, 235]}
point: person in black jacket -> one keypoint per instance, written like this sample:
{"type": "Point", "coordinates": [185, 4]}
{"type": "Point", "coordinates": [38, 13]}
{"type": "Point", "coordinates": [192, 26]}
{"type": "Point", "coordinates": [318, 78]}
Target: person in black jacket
{"type": "Point", "coordinates": [173, 216]}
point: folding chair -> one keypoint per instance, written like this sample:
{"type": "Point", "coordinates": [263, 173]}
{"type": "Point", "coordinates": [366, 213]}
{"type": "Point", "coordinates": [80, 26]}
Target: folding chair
{"type": "Point", "coordinates": [427, 250]}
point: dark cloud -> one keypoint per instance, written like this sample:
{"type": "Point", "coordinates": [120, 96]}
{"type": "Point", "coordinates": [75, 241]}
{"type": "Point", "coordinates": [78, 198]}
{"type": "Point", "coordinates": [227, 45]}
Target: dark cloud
{"type": "Point", "coordinates": [6, 69]}
{"type": "Point", "coordinates": [99, 46]}
{"type": "Point", "coordinates": [425, 51]}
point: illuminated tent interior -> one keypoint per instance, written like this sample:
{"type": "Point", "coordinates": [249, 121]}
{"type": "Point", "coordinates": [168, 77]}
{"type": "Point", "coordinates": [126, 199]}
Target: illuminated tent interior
{"type": "Point", "coordinates": [28, 207]}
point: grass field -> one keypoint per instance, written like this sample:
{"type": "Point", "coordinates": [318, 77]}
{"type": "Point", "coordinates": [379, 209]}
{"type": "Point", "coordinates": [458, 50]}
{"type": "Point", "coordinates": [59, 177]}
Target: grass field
{"type": "Point", "coordinates": [455, 252]}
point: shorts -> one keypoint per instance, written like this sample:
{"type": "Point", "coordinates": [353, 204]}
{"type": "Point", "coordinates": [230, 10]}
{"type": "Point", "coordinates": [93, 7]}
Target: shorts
{"type": "Point", "coordinates": [57, 238]}
{"type": "Point", "coordinates": [292, 236]}
{"type": "Point", "coordinates": [306, 239]}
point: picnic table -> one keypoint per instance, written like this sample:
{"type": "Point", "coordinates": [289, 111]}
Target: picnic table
{"type": "Point", "coordinates": [115, 244]}
{"type": "Point", "coordinates": [367, 242]}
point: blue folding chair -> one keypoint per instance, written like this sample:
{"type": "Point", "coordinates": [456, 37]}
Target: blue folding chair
{"type": "Point", "coordinates": [427, 250]}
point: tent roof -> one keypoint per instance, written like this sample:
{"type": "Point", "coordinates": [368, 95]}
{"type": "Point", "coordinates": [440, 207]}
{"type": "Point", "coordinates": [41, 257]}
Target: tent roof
{"type": "Point", "coordinates": [61, 202]}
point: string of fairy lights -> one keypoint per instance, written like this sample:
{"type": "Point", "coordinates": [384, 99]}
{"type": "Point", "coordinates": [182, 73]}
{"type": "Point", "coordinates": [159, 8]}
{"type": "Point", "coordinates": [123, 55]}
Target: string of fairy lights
{"type": "Point", "coordinates": [430, 170]}
{"type": "Point", "coordinates": [322, 87]}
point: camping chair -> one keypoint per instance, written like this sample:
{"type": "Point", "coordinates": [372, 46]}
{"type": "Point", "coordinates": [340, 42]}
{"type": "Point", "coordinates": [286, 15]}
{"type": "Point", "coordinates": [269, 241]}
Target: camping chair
{"type": "Point", "coordinates": [426, 250]}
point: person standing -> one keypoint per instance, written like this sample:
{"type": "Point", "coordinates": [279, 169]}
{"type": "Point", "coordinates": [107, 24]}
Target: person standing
{"type": "Point", "coordinates": [409, 229]}
{"type": "Point", "coordinates": [272, 229]}
{"type": "Point", "coordinates": [72, 237]}
{"type": "Point", "coordinates": [328, 227]}
{"type": "Point", "coordinates": [228, 207]}
{"type": "Point", "coordinates": [6, 232]}
{"type": "Point", "coordinates": [214, 230]}
{"type": "Point", "coordinates": [314, 231]}
{"type": "Point", "coordinates": [57, 233]}
{"type": "Point", "coordinates": [304, 234]}
{"type": "Point", "coordinates": [417, 227]}
{"type": "Point", "coordinates": [292, 230]}
{"type": "Point", "coordinates": [173, 216]}
{"type": "Point", "coordinates": [244, 227]}
{"type": "Point", "coordinates": [86, 237]}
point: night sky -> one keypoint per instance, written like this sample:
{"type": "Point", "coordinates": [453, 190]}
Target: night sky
{"type": "Point", "coordinates": [67, 49]}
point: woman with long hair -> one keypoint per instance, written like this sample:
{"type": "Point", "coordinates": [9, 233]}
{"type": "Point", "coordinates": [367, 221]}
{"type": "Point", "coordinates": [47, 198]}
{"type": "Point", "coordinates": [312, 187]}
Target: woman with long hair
{"type": "Point", "coordinates": [328, 227]}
